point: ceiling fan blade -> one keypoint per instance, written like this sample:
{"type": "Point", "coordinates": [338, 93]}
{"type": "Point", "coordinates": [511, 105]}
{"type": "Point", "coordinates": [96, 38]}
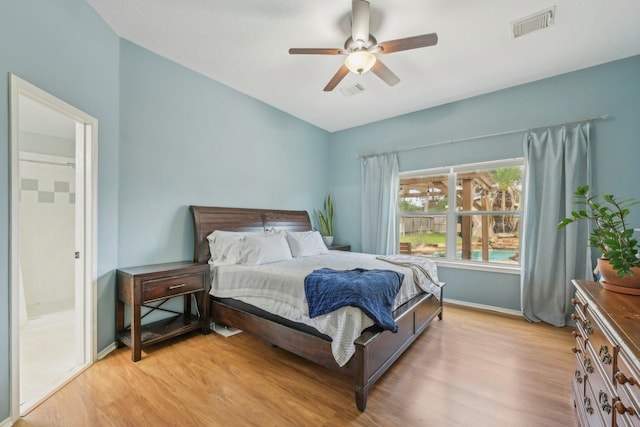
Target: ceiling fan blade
{"type": "Point", "coordinates": [360, 20]}
{"type": "Point", "coordinates": [316, 51]}
{"type": "Point", "coordinates": [343, 71]}
{"type": "Point", "coordinates": [385, 74]}
{"type": "Point", "coordinates": [408, 43]}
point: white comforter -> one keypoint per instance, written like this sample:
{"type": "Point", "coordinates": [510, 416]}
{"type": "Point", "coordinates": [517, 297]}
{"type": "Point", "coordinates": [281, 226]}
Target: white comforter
{"type": "Point", "coordinates": [279, 288]}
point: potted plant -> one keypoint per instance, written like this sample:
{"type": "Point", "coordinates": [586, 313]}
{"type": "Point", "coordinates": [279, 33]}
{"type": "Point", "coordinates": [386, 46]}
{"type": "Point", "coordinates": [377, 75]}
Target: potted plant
{"type": "Point", "coordinates": [619, 264]}
{"type": "Point", "coordinates": [325, 221]}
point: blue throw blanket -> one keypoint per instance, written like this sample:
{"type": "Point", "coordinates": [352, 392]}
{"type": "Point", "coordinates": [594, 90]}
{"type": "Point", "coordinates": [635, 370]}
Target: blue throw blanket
{"type": "Point", "coordinates": [373, 291]}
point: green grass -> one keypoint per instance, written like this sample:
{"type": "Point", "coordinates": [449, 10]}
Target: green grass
{"type": "Point", "coordinates": [425, 239]}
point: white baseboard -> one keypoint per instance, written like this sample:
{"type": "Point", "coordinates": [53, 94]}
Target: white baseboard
{"type": "Point", "coordinates": [6, 423]}
{"type": "Point", "coordinates": [111, 347]}
{"type": "Point", "coordinates": [484, 307]}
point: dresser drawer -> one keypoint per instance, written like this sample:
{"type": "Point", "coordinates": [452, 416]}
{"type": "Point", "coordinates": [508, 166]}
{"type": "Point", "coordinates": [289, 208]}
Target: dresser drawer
{"type": "Point", "coordinates": [580, 318]}
{"type": "Point", "coordinates": [579, 377]}
{"type": "Point", "coordinates": [603, 396]}
{"type": "Point", "coordinates": [589, 407]}
{"type": "Point", "coordinates": [603, 347]}
{"type": "Point", "coordinates": [628, 389]}
{"type": "Point", "coordinates": [169, 286]}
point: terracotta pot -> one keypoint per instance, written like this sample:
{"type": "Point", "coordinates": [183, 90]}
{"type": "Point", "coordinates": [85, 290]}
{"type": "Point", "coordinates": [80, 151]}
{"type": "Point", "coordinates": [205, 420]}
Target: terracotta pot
{"type": "Point", "coordinates": [629, 284]}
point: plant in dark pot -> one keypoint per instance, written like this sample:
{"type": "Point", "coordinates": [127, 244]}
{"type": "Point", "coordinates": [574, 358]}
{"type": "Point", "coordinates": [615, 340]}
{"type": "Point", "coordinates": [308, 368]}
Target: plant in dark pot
{"type": "Point", "coordinates": [619, 264]}
{"type": "Point", "coordinates": [325, 221]}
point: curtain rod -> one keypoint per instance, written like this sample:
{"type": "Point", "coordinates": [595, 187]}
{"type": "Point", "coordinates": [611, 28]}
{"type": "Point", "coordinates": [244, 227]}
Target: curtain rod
{"type": "Point", "coordinates": [488, 135]}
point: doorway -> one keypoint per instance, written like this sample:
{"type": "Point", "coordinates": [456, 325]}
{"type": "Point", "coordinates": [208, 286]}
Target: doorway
{"type": "Point", "coordinates": [53, 227]}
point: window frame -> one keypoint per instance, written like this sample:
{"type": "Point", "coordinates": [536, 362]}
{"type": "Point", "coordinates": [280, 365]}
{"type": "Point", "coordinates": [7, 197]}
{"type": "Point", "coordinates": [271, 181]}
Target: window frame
{"type": "Point", "coordinates": [452, 214]}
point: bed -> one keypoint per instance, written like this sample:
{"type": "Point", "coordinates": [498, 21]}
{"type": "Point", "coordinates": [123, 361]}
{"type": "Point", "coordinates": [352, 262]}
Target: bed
{"type": "Point", "coordinates": [375, 349]}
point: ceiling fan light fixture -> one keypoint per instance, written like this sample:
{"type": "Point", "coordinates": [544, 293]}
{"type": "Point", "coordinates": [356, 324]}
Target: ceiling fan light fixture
{"type": "Point", "coordinates": [360, 61]}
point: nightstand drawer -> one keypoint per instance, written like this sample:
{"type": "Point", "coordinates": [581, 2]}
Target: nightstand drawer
{"type": "Point", "coordinates": [166, 287]}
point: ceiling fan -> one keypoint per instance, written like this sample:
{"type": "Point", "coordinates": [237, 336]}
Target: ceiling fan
{"type": "Point", "coordinates": [361, 48]}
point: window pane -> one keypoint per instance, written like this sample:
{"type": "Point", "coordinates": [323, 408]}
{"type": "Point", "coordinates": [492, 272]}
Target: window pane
{"type": "Point", "coordinates": [427, 234]}
{"type": "Point", "coordinates": [480, 238]}
{"type": "Point", "coordinates": [487, 212]}
{"type": "Point", "coordinates": [496, 189]}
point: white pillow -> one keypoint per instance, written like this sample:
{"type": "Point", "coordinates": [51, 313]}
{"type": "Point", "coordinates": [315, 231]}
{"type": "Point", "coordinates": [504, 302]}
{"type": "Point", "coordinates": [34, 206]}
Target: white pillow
{"type": "Point", "coordinates": [264, 249]}
{"type": "Point", "coordinates": [221, 244]}
{"type": "Point", "coordinates": [306, 243]}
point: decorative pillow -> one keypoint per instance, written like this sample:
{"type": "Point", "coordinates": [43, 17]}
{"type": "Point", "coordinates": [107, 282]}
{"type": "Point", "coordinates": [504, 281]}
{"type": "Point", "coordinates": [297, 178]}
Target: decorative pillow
{"type": "Point", "coordinates": [264, 249]}
{"type": "Point", "coordinates": [221, 244]}
{"type": "Point", "coordinates": [306, 243]}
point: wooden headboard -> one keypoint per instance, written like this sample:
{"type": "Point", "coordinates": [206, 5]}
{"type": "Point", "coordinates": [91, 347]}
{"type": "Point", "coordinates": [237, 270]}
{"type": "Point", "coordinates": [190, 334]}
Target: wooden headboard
{"type": "Point", "coordinates": [208, 219]}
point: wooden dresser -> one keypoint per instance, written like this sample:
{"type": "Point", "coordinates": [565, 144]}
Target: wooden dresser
{"type": "Point", "coordinates": [606, 384]}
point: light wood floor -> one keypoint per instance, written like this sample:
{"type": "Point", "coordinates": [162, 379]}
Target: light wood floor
{"type": "Point", "coordinates": [473, 368]}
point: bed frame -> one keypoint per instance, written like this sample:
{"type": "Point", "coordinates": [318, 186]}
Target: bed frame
{"type": "Point", "coordinates": [376, 350]}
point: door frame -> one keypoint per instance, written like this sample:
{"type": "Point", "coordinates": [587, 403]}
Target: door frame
{"type": "Point", "coordinates": [20, 87]}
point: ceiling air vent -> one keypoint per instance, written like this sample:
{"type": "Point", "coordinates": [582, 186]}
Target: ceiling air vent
{"type": "Point", "coordinates": [534, 22]}
{"type": "Point", "coordinates": [352, 90]}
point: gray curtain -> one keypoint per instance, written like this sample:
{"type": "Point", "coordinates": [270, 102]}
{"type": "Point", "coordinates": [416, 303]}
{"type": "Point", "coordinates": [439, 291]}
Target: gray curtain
{"type": "Point", "coordinates": [557, 161]}
{"type": "Point", "coordinates": [379, 204]}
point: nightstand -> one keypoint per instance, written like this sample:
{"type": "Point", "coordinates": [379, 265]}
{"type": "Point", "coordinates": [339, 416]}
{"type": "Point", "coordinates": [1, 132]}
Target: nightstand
{"type": "Point", "coordinates": [138, 286]}
{"type": "Point", "coordinates": [339, 247]}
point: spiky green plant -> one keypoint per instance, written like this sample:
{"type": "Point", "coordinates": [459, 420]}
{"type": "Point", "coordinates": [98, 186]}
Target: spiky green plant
{"type": "Point", "coordinates": [610, 233]}
{"type": "Point", "coordinates": [325, 217]}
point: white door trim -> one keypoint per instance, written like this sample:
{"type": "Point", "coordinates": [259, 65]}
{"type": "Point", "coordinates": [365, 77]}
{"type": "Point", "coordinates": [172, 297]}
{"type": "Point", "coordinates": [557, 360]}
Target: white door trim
{"type": "Point", "coordinates": [19, 87]}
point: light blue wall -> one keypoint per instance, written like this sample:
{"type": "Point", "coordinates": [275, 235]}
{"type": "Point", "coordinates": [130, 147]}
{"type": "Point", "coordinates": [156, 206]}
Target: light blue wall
{"type": "Point", "coordinates": [612, 89]}
{"type": "Point", "coordinates": [66, 49]}
{"type": "Point", "coordinates": [188, 140]}
{"type": "Point", "coordinates": [163, 128]}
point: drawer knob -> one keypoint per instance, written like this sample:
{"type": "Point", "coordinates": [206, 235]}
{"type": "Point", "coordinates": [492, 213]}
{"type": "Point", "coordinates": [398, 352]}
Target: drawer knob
{"type": "Point", "coordinates": [181, 285]}
{"type": "Point", "coordinates": [576, 301]}
{"type": "Point", "coordinates": [621, 409]}
{"type": "Point", "coordinates": [576, 350]}
{"type": "Point", "coordinates": [622, 379]}
{"type": "Point", "coordinates": [578, 376]}
{"type": "Point", "coordinates": [576, 334]}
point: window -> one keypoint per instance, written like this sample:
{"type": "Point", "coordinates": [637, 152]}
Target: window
{"type": "Point", "coordinates": [467, 213]}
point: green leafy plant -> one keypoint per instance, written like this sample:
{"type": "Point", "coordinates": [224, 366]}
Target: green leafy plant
{"type": "Point", "coordinates": [610, 233]}
{"type": "Point", "coordinates": [325, 217]}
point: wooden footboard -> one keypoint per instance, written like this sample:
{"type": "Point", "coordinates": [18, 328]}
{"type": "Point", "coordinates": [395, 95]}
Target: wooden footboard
{"type": "Point", "coordinates": [375, 351]}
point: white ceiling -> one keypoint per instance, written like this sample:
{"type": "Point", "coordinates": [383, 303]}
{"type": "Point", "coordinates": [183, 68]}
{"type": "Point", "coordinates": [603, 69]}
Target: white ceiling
{"type": "Point", "coordinates": [244, 44]}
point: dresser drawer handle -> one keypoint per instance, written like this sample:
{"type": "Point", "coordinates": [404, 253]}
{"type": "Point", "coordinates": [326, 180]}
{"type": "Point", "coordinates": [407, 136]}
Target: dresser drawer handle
{"type": "Point", "coordinates": [621, 409]}
{"type": "Point", "coordinates": [181, 285]}
{"type": "Point", "coordinates": [587, 405]}
{"type": "Point", "coordinates": [605, 357]}
{"type": "Point", "coordinates": [578, 376]}
{"type": "Point", "coordinates": [604, 402]}
{"type": "Point", "coordinates": [588, 327]}
{"type": "Point", "coordinates": [576, 334]}
{"type": "Point", "coordinates": [622, 379]}
{"type": "Point", "coordinates": [587, 365]}
{"type": "Point", "coordinates": [576, 301]}
{"type": "Point", "coordinates": [576, 350]}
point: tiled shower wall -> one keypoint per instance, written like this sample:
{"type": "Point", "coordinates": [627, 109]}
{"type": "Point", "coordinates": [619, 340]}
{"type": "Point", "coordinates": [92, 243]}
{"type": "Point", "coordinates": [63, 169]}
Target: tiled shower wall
{"type": "Point", "coordinates": [47, 230]}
